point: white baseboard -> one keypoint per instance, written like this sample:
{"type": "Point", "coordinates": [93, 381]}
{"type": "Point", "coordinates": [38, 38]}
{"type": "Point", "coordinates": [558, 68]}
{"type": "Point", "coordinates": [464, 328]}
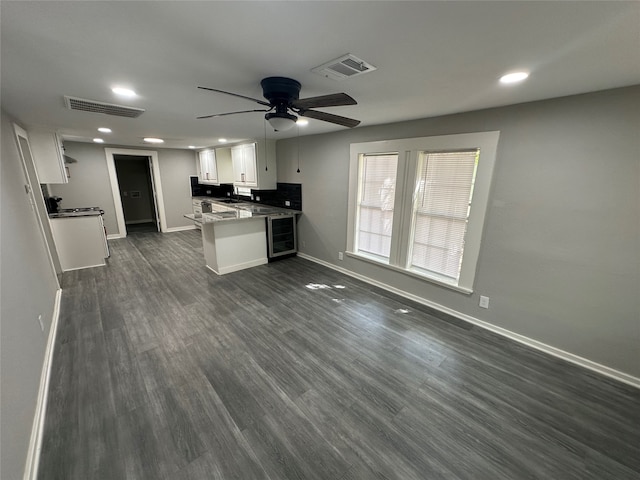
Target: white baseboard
{"type": "Point", "coordinates": [239, 266]}
{"type": "Point", "coordinates": [115, 236]}
{"type": "Point", "coordinates": [35, 442]}
{"type": "Point", "coordinates": [180, 229]}
{"type": "Point", "coordinates": [543, 347]}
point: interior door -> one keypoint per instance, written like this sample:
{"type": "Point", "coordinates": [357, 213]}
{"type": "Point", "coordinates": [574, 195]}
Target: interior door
{"type": "Point", "coordinates": [155, 195]}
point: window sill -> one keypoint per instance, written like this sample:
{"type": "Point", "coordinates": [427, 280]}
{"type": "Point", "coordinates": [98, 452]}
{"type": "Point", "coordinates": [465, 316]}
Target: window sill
{"type": "Point", "coordinates": [410, 273]}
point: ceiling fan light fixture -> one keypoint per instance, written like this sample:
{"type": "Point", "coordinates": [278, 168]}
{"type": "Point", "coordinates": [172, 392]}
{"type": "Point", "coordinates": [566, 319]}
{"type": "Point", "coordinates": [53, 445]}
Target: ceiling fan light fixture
{"type": "Point", "coordinates": [281, 121]}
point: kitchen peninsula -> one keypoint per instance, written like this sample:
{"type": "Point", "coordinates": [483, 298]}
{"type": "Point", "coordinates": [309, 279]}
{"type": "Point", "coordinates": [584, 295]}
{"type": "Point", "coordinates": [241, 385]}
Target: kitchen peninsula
{"type": "Point", "coordinates": [235, 236]}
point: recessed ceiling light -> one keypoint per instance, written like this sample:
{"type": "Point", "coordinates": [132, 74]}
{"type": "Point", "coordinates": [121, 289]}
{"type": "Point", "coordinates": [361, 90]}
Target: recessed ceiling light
{"type": "Point", "coordinates": [125, 92]}
{"type": "Point", "coordinates": [192, 146]}
{"type": "Point", "coordinates": [222, 140]}
{"type": "Point", "coordinates": [98, 140]}
{"type": "Point", "coordinates": [302, 122]}
{"type": "Point", "coordinates": [514, 77]}
{"type": "Point", "coordinates": [104, 130]}
{"type": "Point", "coordinates": [153, 140]}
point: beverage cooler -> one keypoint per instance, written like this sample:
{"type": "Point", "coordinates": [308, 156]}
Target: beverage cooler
{"type": "Point", "coordinates": [281, 235]}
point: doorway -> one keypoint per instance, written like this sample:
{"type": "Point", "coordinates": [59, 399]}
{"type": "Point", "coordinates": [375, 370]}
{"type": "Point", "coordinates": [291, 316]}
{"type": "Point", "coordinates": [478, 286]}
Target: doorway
{"type": "Point", "coordinates": [136, 193]}
{"type": "Point", "coordinates": [144, 166]}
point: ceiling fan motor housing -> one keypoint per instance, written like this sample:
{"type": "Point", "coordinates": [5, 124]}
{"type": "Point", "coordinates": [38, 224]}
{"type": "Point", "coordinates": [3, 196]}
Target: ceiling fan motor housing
{"type": "Point", "coordinates": [280, 90]}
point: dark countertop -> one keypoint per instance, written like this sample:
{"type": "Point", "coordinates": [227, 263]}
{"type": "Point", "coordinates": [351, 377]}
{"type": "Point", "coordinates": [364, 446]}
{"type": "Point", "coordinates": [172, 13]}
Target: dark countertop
{"type": "Point", "coordinates": [74, 214]}
{"type": "Point", "coordinates": [77, 212]}
{"type": "Point", "coordinates": [235, 211]}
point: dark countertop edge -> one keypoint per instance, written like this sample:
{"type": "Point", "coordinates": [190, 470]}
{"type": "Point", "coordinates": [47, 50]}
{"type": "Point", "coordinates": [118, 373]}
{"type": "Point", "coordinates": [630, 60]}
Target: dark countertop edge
{"type": "Point", "coordinates": [73, 214]}
{"type": "Point", "coordinates": [221, 201]}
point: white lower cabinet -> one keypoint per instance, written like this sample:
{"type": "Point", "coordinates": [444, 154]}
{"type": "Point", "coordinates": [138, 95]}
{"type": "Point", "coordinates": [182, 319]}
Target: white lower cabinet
{"type": "Point", "coordinates": [80, 241]}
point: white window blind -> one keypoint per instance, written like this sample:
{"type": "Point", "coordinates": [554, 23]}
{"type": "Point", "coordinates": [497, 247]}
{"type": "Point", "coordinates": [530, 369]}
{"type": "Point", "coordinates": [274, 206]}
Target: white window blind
{"type": "Point", "coordinates": [441, 211]}
{"type": "Point", "coordinates": [375, 203]}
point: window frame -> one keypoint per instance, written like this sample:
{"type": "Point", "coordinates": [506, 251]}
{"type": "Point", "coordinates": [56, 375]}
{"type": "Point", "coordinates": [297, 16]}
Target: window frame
{"type": "Point", "coordinates": [409, 150]}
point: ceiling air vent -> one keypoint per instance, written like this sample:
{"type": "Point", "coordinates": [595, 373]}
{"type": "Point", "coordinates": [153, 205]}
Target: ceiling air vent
{"type": "Point", "coordinates": [346, 66]}
{"type": "Point", "coordinates": [74, 103]}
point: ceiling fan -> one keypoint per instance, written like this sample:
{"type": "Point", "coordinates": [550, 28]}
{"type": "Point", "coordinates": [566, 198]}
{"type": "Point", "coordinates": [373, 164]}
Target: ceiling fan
{"type": "Point", "coordinates": [282, 94]}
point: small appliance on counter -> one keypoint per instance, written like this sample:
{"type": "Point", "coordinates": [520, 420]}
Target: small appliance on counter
{"type": "Point", "coordinates": [53, 204]}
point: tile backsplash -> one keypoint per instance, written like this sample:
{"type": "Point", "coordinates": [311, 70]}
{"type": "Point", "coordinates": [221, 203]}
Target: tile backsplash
{"type": "Point", "coordinates": [287, 195]}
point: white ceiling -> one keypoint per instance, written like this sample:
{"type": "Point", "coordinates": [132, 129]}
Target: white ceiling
{"type": "Point", "coordinates": [433, 58]}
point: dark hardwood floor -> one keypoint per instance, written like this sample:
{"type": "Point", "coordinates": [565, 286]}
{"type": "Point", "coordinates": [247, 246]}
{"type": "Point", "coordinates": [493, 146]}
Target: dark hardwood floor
{"type": "Point", "coordinates": [163, 370]}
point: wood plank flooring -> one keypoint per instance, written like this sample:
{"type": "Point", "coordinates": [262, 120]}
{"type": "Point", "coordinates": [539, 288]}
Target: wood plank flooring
{"type": "Point", "coordinates": [163, 370]}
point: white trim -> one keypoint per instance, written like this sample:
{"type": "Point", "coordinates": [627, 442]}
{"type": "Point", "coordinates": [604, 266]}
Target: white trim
{"type": "Point", "coordinates": [115, 188]}
{"type": "Point", "coordinates": [86, 266]}
{"type": "Point", "coordinates": [410, 273]}
{"type": "Point", "coordinates": [34, 185]}
{"type": "Point", "coordinates": [180, 229]}
{"type": "Point", "coordinates": [543, 347]}
{"type": "Point", "coordinates": [407, 150]}
{"type": "Point", "coordinates": [239, 266]}
{"type": "Point", "coordinates": [115, 236]}
{"type": "Point", "coordinates": [37, 431]}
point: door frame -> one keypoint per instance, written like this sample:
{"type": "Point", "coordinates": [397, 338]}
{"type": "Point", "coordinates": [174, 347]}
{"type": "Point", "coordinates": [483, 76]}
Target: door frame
{"type": "Point", "coordinates": [39, 209]}
{"type": "Point", "coordinates": [156, 185]}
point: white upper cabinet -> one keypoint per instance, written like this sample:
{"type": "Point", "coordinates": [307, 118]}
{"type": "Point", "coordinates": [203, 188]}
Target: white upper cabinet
{"type": "Point", "coordinates": [48, 156]}
{"type": "Point", "coordinates": [208, 171]}
{"type": "Point", "coordinates": [254, 165]}
{"type": "Point", "coordinates": [244, 159]}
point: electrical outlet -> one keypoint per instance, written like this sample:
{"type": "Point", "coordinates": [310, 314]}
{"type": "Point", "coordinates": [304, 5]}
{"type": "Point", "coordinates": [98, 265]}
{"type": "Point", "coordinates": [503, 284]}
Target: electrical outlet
{"type": "Point", "coordinates": [287, 203]}
{"type": "Point", "coordinates": [257, 198]}
{"type": "Point", "coordinates": [484, 302]}
{"type": "Point", "coordinates": [340, 256]}
{"type": "Point", "coordinates": [40, 322]}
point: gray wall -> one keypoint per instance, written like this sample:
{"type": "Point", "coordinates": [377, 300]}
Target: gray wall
{"type": "Point", "coordinates": [89, 183]}
{"type": "Point", "coordinates": [560, 259]}
{"type": "Point", "coordinates": [175, 168]}
{"type": "Point", "coordinates": [27, 289]}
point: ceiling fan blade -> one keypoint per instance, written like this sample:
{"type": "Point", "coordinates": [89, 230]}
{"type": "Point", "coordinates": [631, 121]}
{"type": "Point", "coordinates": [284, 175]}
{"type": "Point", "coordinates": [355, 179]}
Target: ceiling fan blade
{"type": "Point", "coordinates": [332, 100]}
{"type": "Point", "coordinates": [331, 118]}
{"type": "Point", "coordinates": [231, 113]}
{"type": "Point", "coordinates": [261, 102]}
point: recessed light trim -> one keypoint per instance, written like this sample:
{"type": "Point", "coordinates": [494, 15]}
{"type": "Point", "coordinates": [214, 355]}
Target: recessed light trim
{"type": "Point", "coordinates": [302, 122]}
{"type": "Point", "coordinates": [98, 140]}
{"type": "Point", "coordinates": [104, 130]}
{"type": "Point", "coordinates": [514, 77]}
{"type": "Point", "coordinates": [192, 146]}
{"type": "Point", "coordinates": [222, 140]}
{"type": "Point", "coordinates": [153, 140]}
{"type": "Point", "coordinates": [124, 92]}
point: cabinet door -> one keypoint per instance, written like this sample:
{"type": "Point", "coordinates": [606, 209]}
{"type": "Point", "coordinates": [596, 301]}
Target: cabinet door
{"type": "Point", "coordinates": [208, 170]}
{"type": "Point", "coordinates": [237, 160]}
{"type": "Point", "coordinates": [48, 156]}
{"type": "Point", "coordinates": [243, 158]}
{"type": "Point", "coordinates": [250, 168]}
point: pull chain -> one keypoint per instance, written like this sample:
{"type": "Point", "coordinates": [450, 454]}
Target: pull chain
{"type": "Point", "coordinates": [266, 150]}
{"type": "Point", "coordinates": [298, 142]}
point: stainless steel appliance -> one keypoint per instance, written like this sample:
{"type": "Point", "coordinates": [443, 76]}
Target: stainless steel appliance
{"type": "Point", "coordinates": [281, 235]}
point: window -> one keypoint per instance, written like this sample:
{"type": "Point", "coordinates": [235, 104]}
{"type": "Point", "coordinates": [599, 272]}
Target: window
{"type": "Point", "coordinates": [419, 207]}
{"type": "Point", "coordinates": [441, 210]}
{"type": "Point", "coordinates": [375, 204]}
